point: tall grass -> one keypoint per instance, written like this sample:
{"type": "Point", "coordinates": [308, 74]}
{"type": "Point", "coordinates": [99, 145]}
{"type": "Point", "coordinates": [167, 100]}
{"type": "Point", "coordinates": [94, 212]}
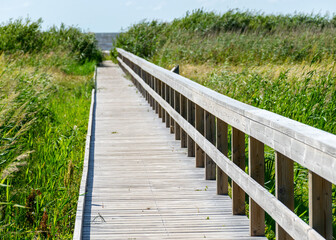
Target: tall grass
{"type": "Point", "coordinates": [281, 63]}
{"type": "Point", "coordinates": [45, 86]}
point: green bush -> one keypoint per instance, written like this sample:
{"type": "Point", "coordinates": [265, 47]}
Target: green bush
{"type": "Point", "coordinates": [234, 36]}
{"type": "Point", "coordinates": [27, 37]}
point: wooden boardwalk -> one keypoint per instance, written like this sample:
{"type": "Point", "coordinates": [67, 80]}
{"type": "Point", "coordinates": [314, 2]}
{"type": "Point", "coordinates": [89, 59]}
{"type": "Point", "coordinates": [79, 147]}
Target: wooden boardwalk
{"type": "Point", "coordinates": [141, 184]}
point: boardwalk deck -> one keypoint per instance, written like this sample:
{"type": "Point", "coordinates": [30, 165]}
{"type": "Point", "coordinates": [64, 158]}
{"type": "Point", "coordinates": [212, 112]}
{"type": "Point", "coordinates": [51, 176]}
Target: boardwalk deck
{"type": "Point", "coordinates": [141, 184]}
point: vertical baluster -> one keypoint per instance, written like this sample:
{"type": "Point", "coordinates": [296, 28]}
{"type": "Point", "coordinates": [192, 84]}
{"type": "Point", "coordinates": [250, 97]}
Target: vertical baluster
{"type": "Point", "coordinates": [158, 90]}
{"type": "Point", "coordinates": [191, 120]}
{"type": "Point", "coordinates": [167, 98]}
{"type": "Point", "coordinates": [222, 145]}
{"type": "Point", "coordinates": [163, 95]}
{"type": "Point", "coordinates": [320, 205]}
{"type": "Point", "coordinates": [183, 108]}
{"type": "Point", "coordinates": [177, 109]}
{"type": "Point", "coordinates": [171, 97]}
{"type": "Point", "coordinates": [155, 89]}
{"type": "Point", "coordinates": [284, 187]}
{"type": "Point", "coordinates": [256, 171]}
{"type": "Point", "coordinates": [199, 123]}
{"type": "Point", "coordinates": [238, 157]}
{"type": "Point", "coordinates": [145, 80]}
{"type": "Point", "coordinates": [150, 80]}
{"type": "Point", "coordinates": [210, 134]}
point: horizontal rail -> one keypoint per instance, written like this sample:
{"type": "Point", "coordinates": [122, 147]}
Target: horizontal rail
{"type": "Point", "coordinates": [280, 213]}
{"type": "Point", "coordinates": [77, 234]}
{"type": "Point", "coordinates": [292, 141]}
{"type": "Point", "coordinates": [310, 147]}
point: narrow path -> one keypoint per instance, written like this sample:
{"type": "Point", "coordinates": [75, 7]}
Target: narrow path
{"type": "Point", "coordinates": [141, 184]}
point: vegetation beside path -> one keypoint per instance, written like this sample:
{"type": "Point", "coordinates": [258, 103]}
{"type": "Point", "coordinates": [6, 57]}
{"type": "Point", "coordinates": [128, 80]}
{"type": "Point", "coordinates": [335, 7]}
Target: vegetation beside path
{"type": "Point", "coordinates": [45, 94]}
{"type": "Point", "coordinates": [281, 63]}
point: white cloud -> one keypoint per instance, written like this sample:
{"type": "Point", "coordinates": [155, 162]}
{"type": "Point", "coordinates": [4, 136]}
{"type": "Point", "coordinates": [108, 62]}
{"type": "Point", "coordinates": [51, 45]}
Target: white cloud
{"type": "Point", "coordinates": [13, 6]}
{"type": "Point", "coordinates": [129, 3]}
{"type": "Point", "coordinates": [159, 6]}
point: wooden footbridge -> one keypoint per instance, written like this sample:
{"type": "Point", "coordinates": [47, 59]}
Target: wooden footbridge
{"type": "Point", "coordinates": [156, 143]}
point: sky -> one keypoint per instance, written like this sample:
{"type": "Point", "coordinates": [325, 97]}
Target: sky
{"type": "Point", "coordinates": [117, 15]}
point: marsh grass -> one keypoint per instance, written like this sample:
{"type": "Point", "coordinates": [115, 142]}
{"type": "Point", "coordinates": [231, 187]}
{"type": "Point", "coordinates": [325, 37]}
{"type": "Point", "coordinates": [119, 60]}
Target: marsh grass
{"type": "Point", "coordinates": [44, 106]}
{"type": "Point", "coordinates": [281, 63]}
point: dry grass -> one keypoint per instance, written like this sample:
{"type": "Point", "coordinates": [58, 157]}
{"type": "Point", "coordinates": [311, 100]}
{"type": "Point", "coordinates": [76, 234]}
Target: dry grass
{"type": "Point", "coordinates": [297, 72]}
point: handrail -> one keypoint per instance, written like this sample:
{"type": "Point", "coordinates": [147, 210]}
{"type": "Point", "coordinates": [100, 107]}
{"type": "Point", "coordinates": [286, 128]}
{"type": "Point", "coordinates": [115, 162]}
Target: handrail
{"type": "Point", "coordinates": [180, 102]}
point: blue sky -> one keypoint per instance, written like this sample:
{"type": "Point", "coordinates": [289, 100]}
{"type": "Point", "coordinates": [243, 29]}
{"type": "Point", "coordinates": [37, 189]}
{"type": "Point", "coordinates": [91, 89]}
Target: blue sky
{"type": "Point", "coordinates": [114, 15]}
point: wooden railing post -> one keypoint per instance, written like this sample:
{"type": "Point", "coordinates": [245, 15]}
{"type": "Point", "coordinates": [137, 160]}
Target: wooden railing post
{"type": "Point", "coordinates": [210, 134]}
{"type": "Point", "coordinates": [238, 157]}
{"type": "Point", "coordinates": [298, 142]}
{"type": "Point", "coordinates": [167, 98]}
{"type": "Point", "coordinates": [177, 109]}
{"type": "Point", "coordinates": [184, 110]}
{"type": "Point", "coordinates": [199, 124]}
{"type": "Point", "coordinates": [284, 188]}
{"type": "Point", "coordinates": [163, 95]}
{"type": "Point", "coordinates": [155, 89]}
{"type": "Point", "coordinates": [171, 97]}
{"type": "Point", "coordinates": [151, 84]}
{"type": "Point", "coordinates": [257, 172]}
{"type": "Point", "coordinates": [222, 145]}
{"type": "Point", "coordinates": [146, 80]}
{"type": "Point", "coordinates": [159, 92]}
{"type": "Point", "coordinates": [191, 120]}
{"type": "Point", "coordinates": [320, 205]}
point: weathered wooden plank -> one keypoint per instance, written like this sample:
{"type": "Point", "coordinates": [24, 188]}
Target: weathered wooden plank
{"type": "Point", "coordinates": [199, 124]}
{"type": "Point", "coordinates": [222, 145]}
{"type": "Point", "coordinates": [163, 95]}
{"type": "Point", "coordinates": [299, 142]}
{"type": "Point", "coordinates": [284, 217]}
{"type": "Point", "coordinates": [167, 98]}
{"type": "Point", "coordinates": [238, 158]}
{"type": "Point", "coordinates": [284, 187]}
{"type": "Point", "coordinates": [160, 195]}
{"type": "Point", "coordinates": [78, 230]}
{"type": "Point", "coordinates": [159, 108]}
{"type": "Point", "coordinates": [191, 120]}
{"type": "Point", "coordinates": [172, 124]}
{"type": "Point", "coordinates": [210, 135]}
{"type": "Point", "coordinates": [320, 205]}
{"type": "Point", "coordinates": [257, 172]}
{"type": "Point", "coordinates": [177, 128]}
{"type": "Point", "coordinates": [184, 113]}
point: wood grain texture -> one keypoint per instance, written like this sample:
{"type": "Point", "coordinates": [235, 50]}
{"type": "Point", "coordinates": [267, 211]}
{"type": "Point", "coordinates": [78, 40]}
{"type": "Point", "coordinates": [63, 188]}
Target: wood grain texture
{"type": "Point", "coordinates": [167, 98]}
{"type": "Point", "coordinates": [163, 95]}
{"type": "Point", "coordinates": [172, 124]}
{"type": "Point", "coordinates": [256, 171]}
{"type": "Point", "coordinates": [294, 226]}
{"type": "Point", "coordinates": [210, 135]}
{"type": "Point", "coordinates": [184, 113]}
{"type": "Point", "coordinates": [141, 183]}
{"type": "Point", "coordinates": [222, 145]}
{"type": "Point", "coordinates": [299, 142]}
{"type": "Point", "coordinates": [238, 158]}
{"type": "Point", "coordinates": [320, 205]}
{"type": "Point", "coordinates": [177, 128]}
{"type": "Point", "coordinates": [199, 124]}
{"type": "Point", "coordinates": [191, 120]}
{"type": "Point", "coordinates": [284, 188]}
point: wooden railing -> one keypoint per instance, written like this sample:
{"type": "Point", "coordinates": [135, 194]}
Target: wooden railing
{"type": "Point", "coordinates": [200, 117]}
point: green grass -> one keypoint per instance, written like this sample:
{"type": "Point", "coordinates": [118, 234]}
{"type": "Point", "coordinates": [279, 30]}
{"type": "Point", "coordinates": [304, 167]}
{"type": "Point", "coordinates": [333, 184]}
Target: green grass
{"type": "Point", "coordinates": [281, 63]}
{"type": "Point", "coordinates": [45, 95]}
